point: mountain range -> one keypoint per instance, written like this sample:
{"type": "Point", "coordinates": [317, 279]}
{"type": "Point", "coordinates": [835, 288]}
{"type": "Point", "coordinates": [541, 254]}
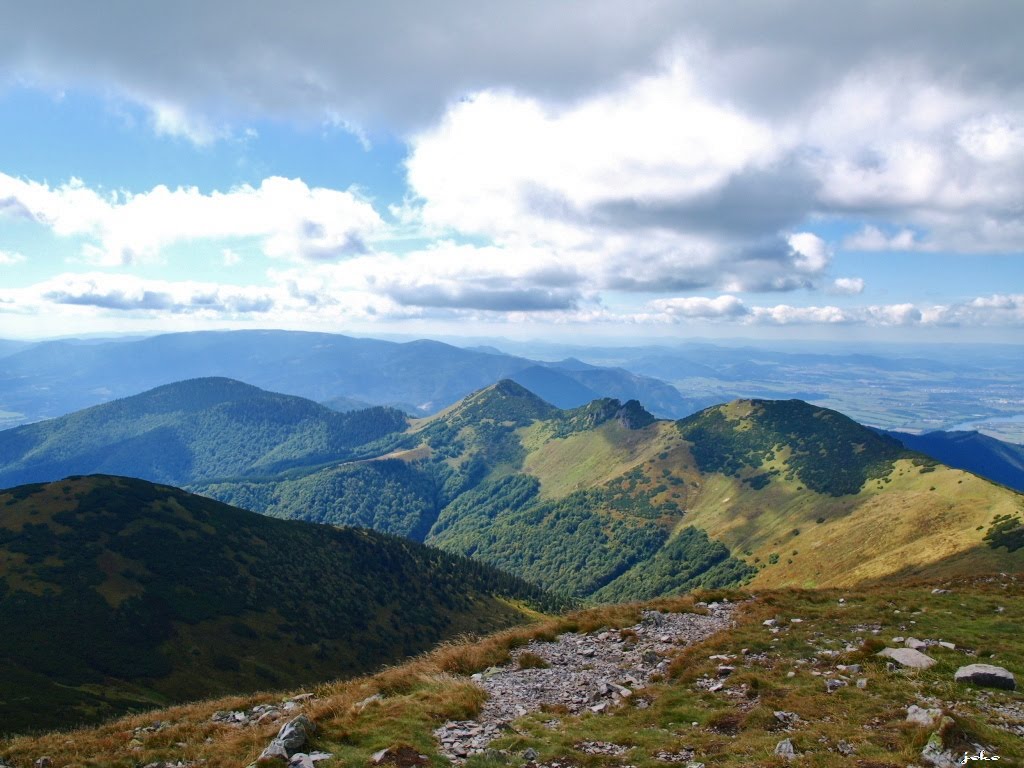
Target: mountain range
{"type": "Point", "coordinates": [601, 502]}
{"type": "Point", "coordinates": [54, 378]}
{"type": "Point", "coordinates": [117, 594]}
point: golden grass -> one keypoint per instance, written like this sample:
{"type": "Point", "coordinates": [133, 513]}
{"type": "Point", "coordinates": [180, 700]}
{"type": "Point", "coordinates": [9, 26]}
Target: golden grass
{"type": "Point", "coordinates": [903, 528]}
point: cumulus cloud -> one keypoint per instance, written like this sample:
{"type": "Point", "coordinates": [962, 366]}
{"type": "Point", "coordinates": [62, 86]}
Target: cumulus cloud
{"type": "Point", "coordinates": [657, 182]}
{"type": "Point", "coordinates": [293, 220]}
{"type": "Point", "coordinates": [725, 306]}
{"type": "Point", "coordinates": [848, 285]}
{"type": "Point", "coordinates": [695, 153]}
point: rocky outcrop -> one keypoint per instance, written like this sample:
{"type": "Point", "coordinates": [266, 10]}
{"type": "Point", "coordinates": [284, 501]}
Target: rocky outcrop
{"type": "Point", "coordinates": [591, 672]}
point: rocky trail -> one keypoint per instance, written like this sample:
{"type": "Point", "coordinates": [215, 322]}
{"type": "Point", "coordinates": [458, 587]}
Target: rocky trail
{"type": "Point", "coordinates": [578, 672]}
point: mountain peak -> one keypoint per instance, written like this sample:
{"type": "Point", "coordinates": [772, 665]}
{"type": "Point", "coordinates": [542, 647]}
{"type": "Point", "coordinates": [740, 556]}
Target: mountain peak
{"type": "Point", "coordinates": [830, 452]}
{"type": "Point", "coordinates": [503, 401]}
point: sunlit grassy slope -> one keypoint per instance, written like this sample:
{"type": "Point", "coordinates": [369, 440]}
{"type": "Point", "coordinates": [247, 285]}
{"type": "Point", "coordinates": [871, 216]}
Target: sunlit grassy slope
{"type": "Point", "coordinates": [605, 502]}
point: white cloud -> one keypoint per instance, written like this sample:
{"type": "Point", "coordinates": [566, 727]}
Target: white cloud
{"type": "Point", "coordinates": [9, 258]}
{"type": "Point", "coordinates": [293, 221]}
{"type": "Point", "coordinates": [128, 293]}
{"type": "Point", "coordinates": [725, 306]}
{"type": "Point", "coordinates": [810, 253]}
{"type": "Point", "coordinates": [230, 257]}
{"type": "Point", "coordinates": [871, 238]}
{"type": "Point", "coordinates": [175, 121]}
{"type": "Point", "coordinates": [848, 285]}
{"type": "Point", "coordinates": [996, 310]}
{"type": "Point", "coordinates": [783, 314]}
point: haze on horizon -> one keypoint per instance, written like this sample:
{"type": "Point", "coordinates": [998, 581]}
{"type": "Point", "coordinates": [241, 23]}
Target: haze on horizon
{"type": "Point", "coordinates": [565, 171]}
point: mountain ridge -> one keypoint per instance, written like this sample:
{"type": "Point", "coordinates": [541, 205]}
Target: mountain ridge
{"type": "Point", "coordinates": [129, 594]}
{"type": "Point", "coordinates": [427, 375]}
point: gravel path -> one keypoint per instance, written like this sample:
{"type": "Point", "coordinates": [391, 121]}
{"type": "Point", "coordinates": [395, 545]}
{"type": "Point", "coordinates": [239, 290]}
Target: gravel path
{"type": "Point", "coordinates": [595, 671]}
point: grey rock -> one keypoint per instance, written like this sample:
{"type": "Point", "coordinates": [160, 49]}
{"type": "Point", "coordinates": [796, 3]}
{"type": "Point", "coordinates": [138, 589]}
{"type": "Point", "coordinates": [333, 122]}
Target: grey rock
{"type": "Point", "coordinates": [834, 685]}
{"type": "Point", "coordinates": [987, 675]}
{"type": "Point", "coordinates": [274, 753]}
{"type": "Point", "coordinates": [43, 762]}
{"type": "Point", "coordinates": [530, 753]}
{"type": "Point", "coordinates": [785, 749]}
{"type": "Point", "coordinates": [294, 734]}
{"type": "Point", "coordinates": [786, 718]}
{"type": "Point", "coordinates": [926, 718]}
{"type": "Point", "coordinates": [917, 645]}
{"type": "Point", "coordinates": [846, 748]}
{"type": "Point", "coordinates": [934, 754]}
{"type": "Point", "coordinates": [908, 657]}
{"type": "Point", "coordinates": [862, 682]}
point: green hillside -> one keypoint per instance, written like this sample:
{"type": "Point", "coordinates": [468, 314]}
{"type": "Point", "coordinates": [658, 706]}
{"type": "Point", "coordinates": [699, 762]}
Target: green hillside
{"type": "Point", "coordinates": [606, 502]}
{"type": "Point", "coordinates": [125, 594]}
{"type": "Point", "coordinates": [190, 431]}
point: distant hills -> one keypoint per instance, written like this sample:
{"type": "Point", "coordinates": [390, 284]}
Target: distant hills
{"type": "Point", "coordinates": [118, 594]}
{"type": "Point", "coordinates": [188, 432]}
{"type": "Point", "coordinates": [983, 455]}
{"type": "Point", "coordinates": [54, 378]}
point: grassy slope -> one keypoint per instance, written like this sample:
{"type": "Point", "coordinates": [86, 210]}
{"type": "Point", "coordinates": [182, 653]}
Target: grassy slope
{"type": "Point", "coordinates": [614, 489]}
{"type": "Point", "coordinates": [128, 594]}
{"type": "Point", "coordinates": [733, 728]}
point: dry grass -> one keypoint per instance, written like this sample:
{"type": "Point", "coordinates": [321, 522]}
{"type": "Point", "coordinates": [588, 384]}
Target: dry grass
{"type": "Point", "coordinates": [417, 693]}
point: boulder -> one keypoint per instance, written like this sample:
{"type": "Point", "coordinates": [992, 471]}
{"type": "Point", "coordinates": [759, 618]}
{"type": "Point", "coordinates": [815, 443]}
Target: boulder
{"type": "Point", "coordinates": [986, 675]}
{"type": "Point", "coordinates": [290, 739]}
{"type": "Point", "coordinates": [917, 645]}
{"type": "Point", "coordinates": [908, 657]}
{"type": "Point", "coordinates": [294, 734]}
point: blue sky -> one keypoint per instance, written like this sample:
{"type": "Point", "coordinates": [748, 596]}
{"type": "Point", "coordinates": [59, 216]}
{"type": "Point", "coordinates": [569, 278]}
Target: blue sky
{"type": "Point", "coordinates": [569, 170]}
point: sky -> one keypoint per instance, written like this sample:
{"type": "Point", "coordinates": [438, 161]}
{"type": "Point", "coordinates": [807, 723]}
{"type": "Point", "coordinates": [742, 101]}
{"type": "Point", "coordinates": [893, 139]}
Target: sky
{"type": "Point", "coordinates": [551, 169]}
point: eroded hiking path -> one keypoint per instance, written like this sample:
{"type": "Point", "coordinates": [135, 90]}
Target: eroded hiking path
{"type": "Point", "coordinates": [585, 672]}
